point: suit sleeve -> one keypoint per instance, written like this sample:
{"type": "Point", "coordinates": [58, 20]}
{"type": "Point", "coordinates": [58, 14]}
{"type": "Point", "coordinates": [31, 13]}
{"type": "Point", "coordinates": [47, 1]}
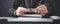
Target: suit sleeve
{"type": "Point", "coordinates": [50, 8]}
{"type": "Point", "coordinates": [16, 4]}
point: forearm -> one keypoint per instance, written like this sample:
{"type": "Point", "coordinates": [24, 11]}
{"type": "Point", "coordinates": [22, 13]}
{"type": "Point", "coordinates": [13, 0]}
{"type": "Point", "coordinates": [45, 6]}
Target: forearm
{"type": "Point", "coordinates": [16, 4]}
{"type": "Point", "coordinates": [51, 11]}
{"type": "Point", "coordinates": [12, 12]}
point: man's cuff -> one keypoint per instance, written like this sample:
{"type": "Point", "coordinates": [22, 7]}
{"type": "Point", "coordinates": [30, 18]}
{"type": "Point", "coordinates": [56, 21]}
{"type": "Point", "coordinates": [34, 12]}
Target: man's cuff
{"type": "Point", "coordinates": [14, 13]}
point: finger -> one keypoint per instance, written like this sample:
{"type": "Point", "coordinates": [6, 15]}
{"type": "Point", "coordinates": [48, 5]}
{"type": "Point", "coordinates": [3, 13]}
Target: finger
{"type": "Point", "coordinates": [44, 11]}
{"type": "Point", "coordinates": [23, 10]}
{"type": "Point", "coordinates": [39, 10]}
{"type": "Point", "coordinates": [36, 10]}
{"type": "Point", "coordinates": [21, 13]}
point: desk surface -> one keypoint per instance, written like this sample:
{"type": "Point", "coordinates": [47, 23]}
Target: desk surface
{"type": "Point", "coordinates": [25, 19]}
{"type": "Point", "coordinates": [30, 19]}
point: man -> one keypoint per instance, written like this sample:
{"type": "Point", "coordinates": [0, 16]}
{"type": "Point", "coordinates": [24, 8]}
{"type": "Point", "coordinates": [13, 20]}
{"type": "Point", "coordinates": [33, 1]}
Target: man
{"type": "Point", "coordinates": [19, 7]}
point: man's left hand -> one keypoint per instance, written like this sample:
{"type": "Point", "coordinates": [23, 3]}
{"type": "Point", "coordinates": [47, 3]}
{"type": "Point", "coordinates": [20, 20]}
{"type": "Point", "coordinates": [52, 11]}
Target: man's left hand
{"type": "Point", "coordinates": [42, 9]}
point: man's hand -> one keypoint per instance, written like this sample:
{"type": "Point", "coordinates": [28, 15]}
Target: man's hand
{"type": "Point", "coordinates": [42, 9]}
{"type": "Point", "coordinates": [20, 11]}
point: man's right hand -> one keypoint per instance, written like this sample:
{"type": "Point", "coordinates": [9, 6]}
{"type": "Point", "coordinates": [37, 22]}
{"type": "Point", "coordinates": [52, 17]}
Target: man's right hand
{"type": "Point", "coordinates": [20, 11]}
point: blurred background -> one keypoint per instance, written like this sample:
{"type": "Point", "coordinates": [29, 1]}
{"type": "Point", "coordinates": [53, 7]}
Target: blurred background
{"type": "Point", "coordinates": [5, 5]}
